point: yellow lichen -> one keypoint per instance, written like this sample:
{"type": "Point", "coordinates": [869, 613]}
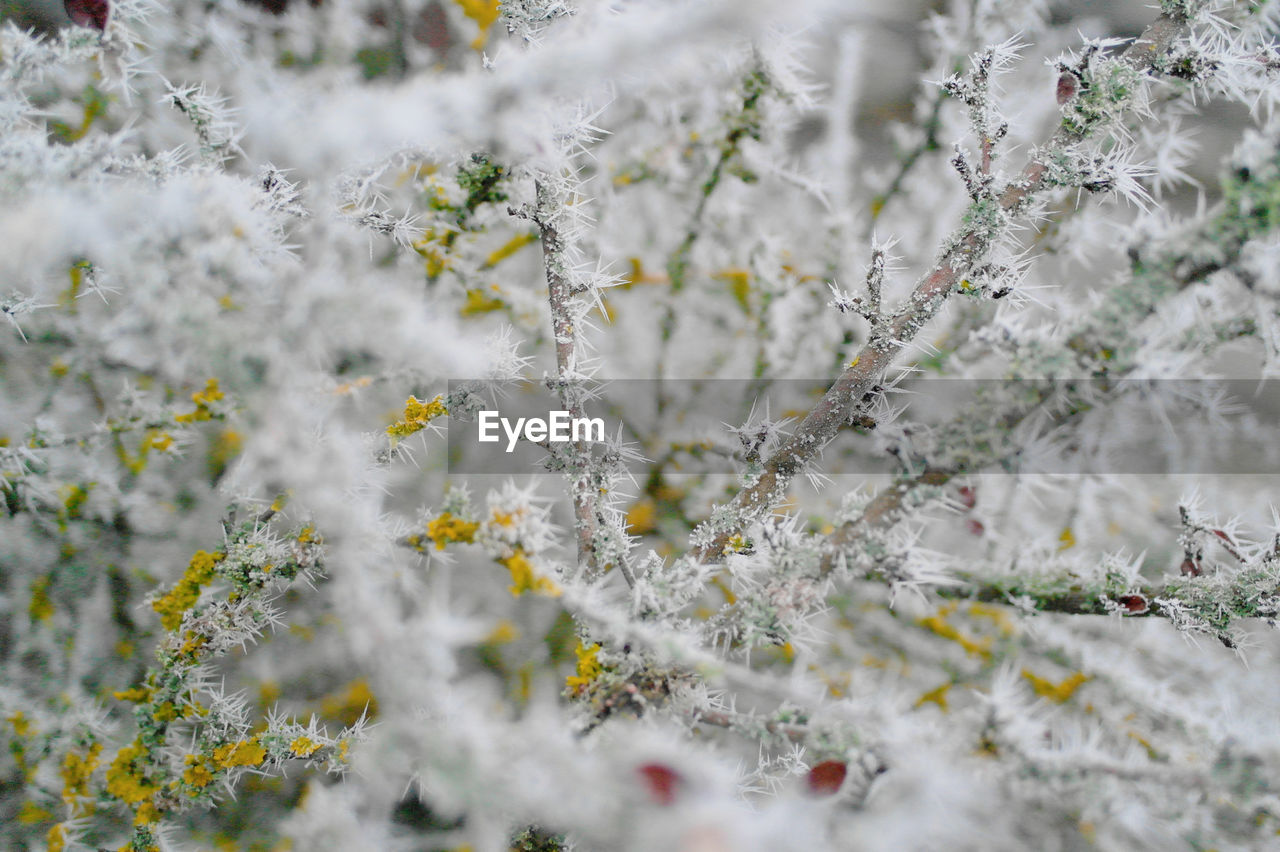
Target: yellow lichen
{"type": "Point", "coordinates": [203, 399]}
{"type": "Point", "coordinates": [637, 275]}
{"type": "Point", "coordinates": [192, 642]}
{"type": "Point", "coordinates": [347, 705]}
{"type": "Point", "coordinates": [1056, 692]}
{"type": "Point", "coordinates": [436, 260]}
{"type": "Point", "coordinates": [348, 387]}
{"type": "Point", "coordinates": [524, 683]}
{"type": "Point", "coordinates": [186, 591]}
{"type": "Point", "coordinates": [421, 170]}
{"type": "Point", "coordinates": [484, 13]}
{"type": "Point", "coordinates": [302, 631]}
{"type": "Point", "coordinates": [225, 447]}
{"type": "Point", "coordinates": [937, 624]}
{"type": "Point", "coordinates": [67, 298]}
{"type": "Point", "coordinates": [153, 439]}
{"type": "Point", "coordinates": [1142, 741]}
{"type": "Point", "coordinates": [21, 724]}
{"type": "Point", "coordinates": [995, 614]}
{"type": "Point", "coordinates": [589, 667]}
{"type": "Point", "coordinates": [95, 104]}
{"type": "Point", "coordinates": [479, 302]}
{"type": "Point", "coordinates": [447, 528]}
{"type": "Point", "coordinates": [208, 395]}
{"type": "Point", "coordinates": [524, 579]}
{"type": "Point", "coordinates": [504, 632]}
{"type": "Point", "coordinates": [197, 774]}
{"type": "Point", "coordinates": [242, 753]}
{"type": "Point", "coordinates": [41, 606]}
{"type": "Point", "coordinates": [125, 780]}
{"type": "Point", "coordinates": [504, 519]}
{"type": "Point", "coordinates": [937, 695]}
{"type": "Point", "coordinates": [642, 516]}
{"type": "Point", "coordinates": [76, 769]}
{"type": "Point", "coordinates": [509, 248]}
{"type": "Point", "coordinates": [73, 499]}
{"type": "Point", "coordinates": [719, 582]}
{"type": "Point", "coordinates": [417, 414]}
{"type": "Point", "coordinates": [739, 281]}
{"type": "Point", "coordinates": [136, 694]}
{"type": "Point", "coordinates": [304, 746]}
{"type": "Point", "coordinates": [32, 814]}
{"type": "Point", "coordinates": [146, 814]}
{"type": "Point", "coordinates": [268, 692]}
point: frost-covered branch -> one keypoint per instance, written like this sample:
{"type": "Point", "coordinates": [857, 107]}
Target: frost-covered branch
{"type": "Point", "coordinates": [988, 216]}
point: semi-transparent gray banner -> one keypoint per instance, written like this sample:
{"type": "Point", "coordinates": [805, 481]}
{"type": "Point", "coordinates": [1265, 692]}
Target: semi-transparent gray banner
{"type": "Point", "coordinates": [725, 426]}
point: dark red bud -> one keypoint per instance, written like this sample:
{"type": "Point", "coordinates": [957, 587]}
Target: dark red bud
{"type": "Point", "coordinates": [1133, 604]}
{"type": "Point", "coordinates": [826, 778]}
{"type": "Point", "coordinates": [1067, 86]}
{"type": "Point", "coordinates": [968, 497]}
{"type": "Point", "coordinates": [661, 782]}
{"type": "Point", "coordinates": [975, 526]}
{"type": "Point", "coordinates": [88, 13]}
{"type": "Point", "coordinates": [1190, 568]}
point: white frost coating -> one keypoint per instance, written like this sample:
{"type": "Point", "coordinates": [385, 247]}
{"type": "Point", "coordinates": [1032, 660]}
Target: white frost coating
{"type": "Point", "coordinates": [259, 269]}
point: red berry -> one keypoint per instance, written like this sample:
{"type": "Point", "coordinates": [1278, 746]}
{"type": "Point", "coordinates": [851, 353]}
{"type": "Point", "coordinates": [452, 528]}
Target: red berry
{"type": "Point", "coordinates": [1134, 604]}
{"type": "Point", "coordinates": [968, 497]}
{"type": "Point", "coordinates": [88, 13]}
{"type": "Point", "coordinates": [826, 778]}
{"type": "Point", "coordinates": [661, 781]}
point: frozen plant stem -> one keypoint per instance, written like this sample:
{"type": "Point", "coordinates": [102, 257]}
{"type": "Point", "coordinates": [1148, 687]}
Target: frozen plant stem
{"type": "Point", "coordinates": [568, 387]}
{"type": "Point", "coordinates": [843, 398]}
